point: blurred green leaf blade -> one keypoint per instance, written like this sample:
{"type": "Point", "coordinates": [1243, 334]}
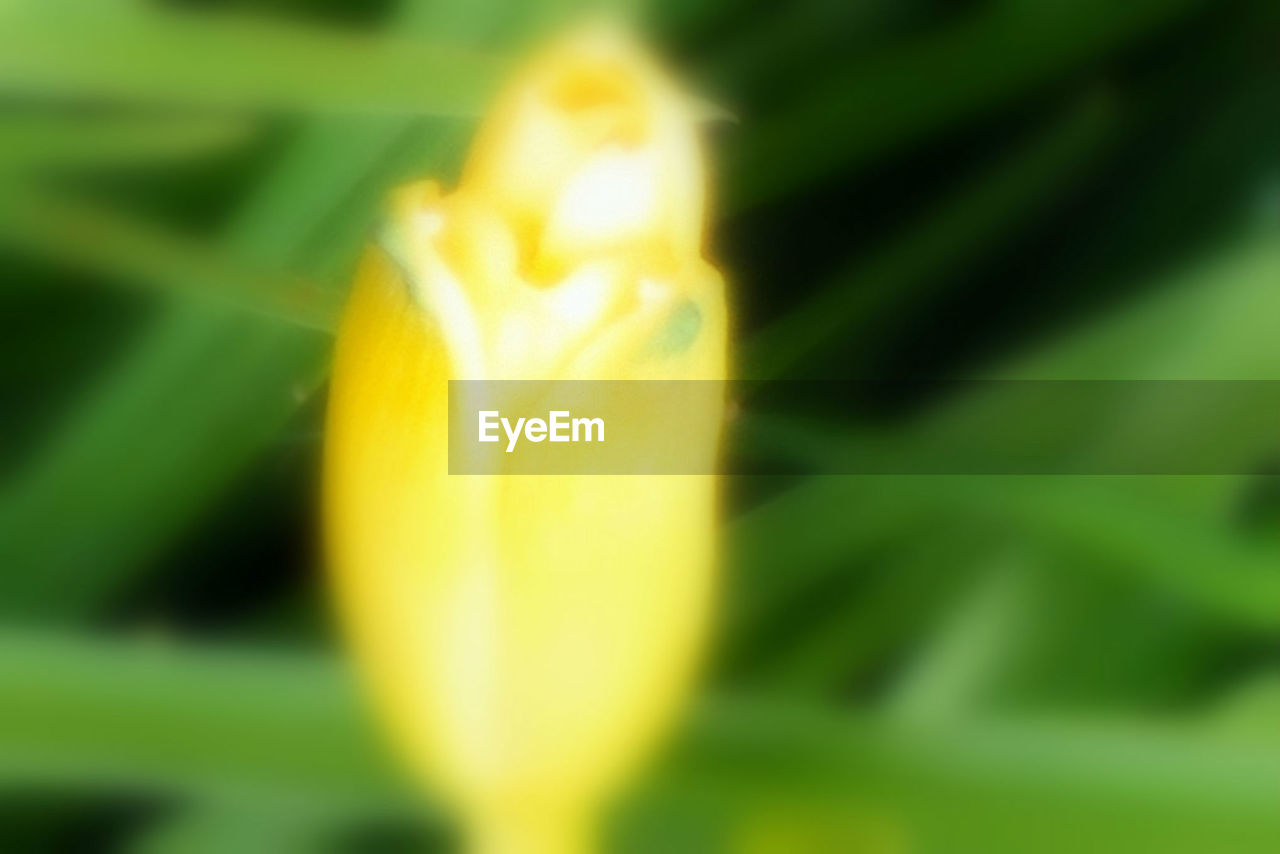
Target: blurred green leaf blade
{"type": "Point", "coordinates": [151, 54]}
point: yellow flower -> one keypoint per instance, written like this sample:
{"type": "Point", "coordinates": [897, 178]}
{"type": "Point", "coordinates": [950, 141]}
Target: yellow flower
{"type": "Point", "coordinates": [528, 638]}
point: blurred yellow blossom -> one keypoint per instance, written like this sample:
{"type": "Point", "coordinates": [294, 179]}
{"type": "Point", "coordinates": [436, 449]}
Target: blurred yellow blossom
{"type": "Point", "coordinates": [528, 638]}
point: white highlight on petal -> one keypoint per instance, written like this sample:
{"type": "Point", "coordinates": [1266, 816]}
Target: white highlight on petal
{"type": "Point", "coordinates": [446, 299]}
{"type": "Point", "coordinates": [652, 291]}
{"type": "Point", "coordinates": [582, 299]}
{"type": "Point", "coordinates": [428, 223]}
{"type": "Point", "coordinates": [614, 194]}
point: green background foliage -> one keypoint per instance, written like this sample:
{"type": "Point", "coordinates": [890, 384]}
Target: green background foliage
{"type": "Point", "coordinates": [1028, 189]}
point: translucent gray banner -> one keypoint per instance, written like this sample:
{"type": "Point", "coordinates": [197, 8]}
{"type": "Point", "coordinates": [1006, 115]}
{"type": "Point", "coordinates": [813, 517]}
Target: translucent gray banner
{"type": "Point", "coordinates": [1183, 427]}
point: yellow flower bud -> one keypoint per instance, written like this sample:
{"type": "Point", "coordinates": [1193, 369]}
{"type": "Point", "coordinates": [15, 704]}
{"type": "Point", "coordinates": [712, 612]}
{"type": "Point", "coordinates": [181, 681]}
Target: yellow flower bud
{"type": "Point", "coordinates": [528, 638]}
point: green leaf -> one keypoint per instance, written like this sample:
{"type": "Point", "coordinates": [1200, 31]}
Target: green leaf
{"type": "Point", "coordinates": [92, 237]}
{"type": "Point", "coordinates": [993, 785]}
{"type": "Point", "coordinates": [153, 54]}
{"type": "Point", "coordinates": [979, 214]}
{"type": "Point", "coordinates": [220, 723]}
{"type": "Point", "coordinates": [284, 732]}
{"type": "Point", "coordinates": [215, 826]}
{"type": "Point", "coordinates": [952, 674]}
{"type": "Point", "coordinates": [169, 428]}
{"type": "Point", "coordinates": [1211, 321]}
{"type": "Point", "coordinates": [1106, 522]}
{"type": "Point", "coordinates": [34, 143]}
{"type": "Point", "coordinates": [202, 392]}
{"type": "Point", "coordinates": [1000, 52]}
{"type": "Point", "coordinates": [798, 653]}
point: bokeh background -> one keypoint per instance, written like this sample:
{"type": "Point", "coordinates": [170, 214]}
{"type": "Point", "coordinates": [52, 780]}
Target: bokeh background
{"type": "Point", "coordinates": [1032, 189]}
